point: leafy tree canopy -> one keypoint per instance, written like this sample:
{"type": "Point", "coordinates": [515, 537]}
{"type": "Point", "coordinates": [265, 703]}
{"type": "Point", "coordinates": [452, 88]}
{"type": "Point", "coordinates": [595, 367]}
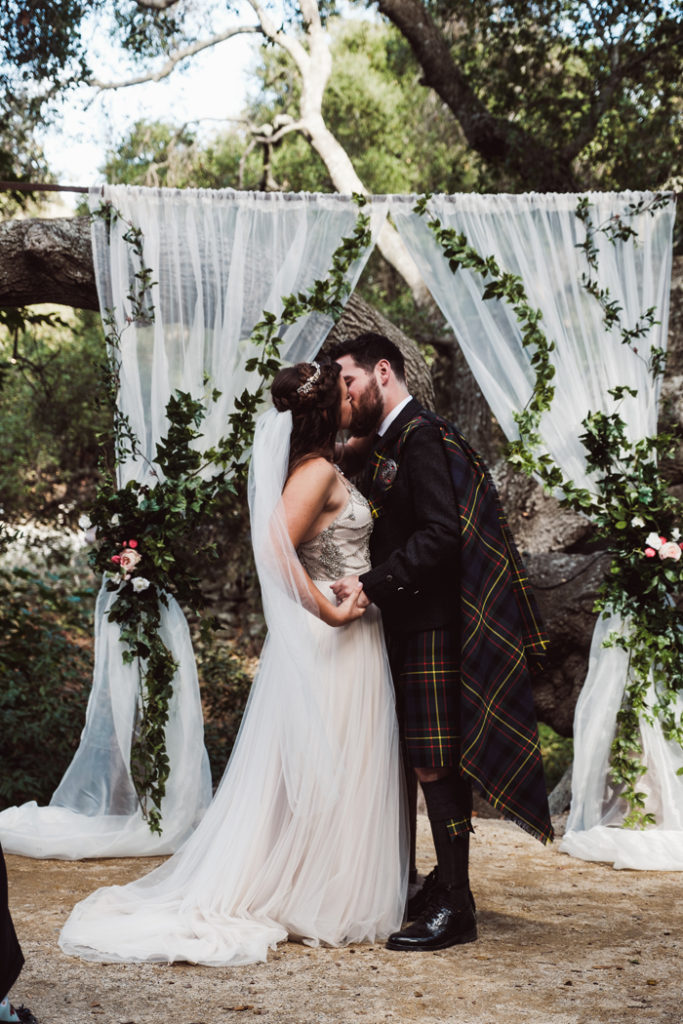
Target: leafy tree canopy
{"type": "Point", "coordinates": [393, 131]}
{"type": "Point", "coordinates": [551, 94]}
{"type": "Point", "coordinates": [556, 93]}
{"type": "Point", "coordinates": [41, 52]}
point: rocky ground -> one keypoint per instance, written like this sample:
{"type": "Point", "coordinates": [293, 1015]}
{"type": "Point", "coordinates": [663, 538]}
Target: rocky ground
{"type": "Point", "coordinates": [561, 941]}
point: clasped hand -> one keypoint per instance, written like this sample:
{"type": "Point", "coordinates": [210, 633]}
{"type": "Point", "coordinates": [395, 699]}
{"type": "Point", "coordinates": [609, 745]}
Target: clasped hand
{"type": "Point", "coordinates": [347, 587]}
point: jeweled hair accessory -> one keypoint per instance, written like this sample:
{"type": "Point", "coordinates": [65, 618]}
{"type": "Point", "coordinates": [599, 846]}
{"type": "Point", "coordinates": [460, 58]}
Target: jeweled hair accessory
{"type": "Point", "coordinates": [307, 385]}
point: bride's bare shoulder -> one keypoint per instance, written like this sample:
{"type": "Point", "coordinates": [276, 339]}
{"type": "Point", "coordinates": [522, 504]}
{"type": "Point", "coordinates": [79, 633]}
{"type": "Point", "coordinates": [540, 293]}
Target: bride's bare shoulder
{"type": "Point", "coordinates": [313, 471]}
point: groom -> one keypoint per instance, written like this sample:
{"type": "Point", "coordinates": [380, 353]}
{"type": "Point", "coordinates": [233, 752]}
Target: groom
{"type": "Point", "coordinates": [461, 628]}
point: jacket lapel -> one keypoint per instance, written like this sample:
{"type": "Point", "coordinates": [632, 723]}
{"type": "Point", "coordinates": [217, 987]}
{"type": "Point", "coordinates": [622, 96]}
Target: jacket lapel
{"type": "Point", "coordinates": [382, 468]}
{"type": "Point", "coordinates": [407, 413]}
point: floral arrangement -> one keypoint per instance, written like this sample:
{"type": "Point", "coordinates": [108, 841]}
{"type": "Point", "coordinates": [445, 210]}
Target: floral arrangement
{"type": "Point", "coordinates": [658, 545]}
{"type": "Point", "coordinates": [628, 495]}
{"type": "Point", "coordinates": [139, 532]}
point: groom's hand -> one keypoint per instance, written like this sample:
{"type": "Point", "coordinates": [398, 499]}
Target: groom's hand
{"type": "Point", "coordinates": [345, 587]}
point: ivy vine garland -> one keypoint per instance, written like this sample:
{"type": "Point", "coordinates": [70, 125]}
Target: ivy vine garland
{"type": "Point", "coordinates": [139, 532]}
{"type": "Point", "coordinates": [632, 510]}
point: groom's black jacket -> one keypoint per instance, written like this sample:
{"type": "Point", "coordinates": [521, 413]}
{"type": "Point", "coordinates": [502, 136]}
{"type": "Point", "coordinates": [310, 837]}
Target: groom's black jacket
{"type": "Point", "coordinates": [415, 543]}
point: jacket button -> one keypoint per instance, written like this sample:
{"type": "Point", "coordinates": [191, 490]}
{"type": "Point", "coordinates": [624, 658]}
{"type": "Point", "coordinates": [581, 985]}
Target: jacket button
{"type": "Point", "coordinates": [415, 593]}
{"type": "Point", "coordinates": [389, 578]}
{"type": "Point", "coordinates": [399, 590]}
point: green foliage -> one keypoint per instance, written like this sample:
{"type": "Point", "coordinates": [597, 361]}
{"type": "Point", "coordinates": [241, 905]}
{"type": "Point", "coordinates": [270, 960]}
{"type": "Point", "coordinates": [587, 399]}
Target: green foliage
{"type": "Point", "coordinates": [41, 40]}
{"type": "Point", "coordinates": [157, 154]}
{"type": "Point", "coordinates": [394, 131]}
{"type": "Point", "coordinates": [41, 54]}
{"type": "Point", "coordinates": [49, 418]}
{"type": "Point", "coordinates": [599, 85]}
{"type": "Point", "coordinates": [46, 672]}
{"type": "Point", "coordinates": [225, 680]}
{"type": "Point", "coordinates": [557, 752]}
{"type": "Point", "coordinates": [634, 514]}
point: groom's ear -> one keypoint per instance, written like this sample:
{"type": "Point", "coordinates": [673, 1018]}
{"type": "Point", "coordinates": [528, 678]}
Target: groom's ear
{"type": "Point", "coordinates": [383, 368]}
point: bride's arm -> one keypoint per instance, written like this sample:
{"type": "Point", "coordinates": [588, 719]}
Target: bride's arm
{"type": "Point", "coordinates": [351, 455]}
{"type": "Point", "coordinates": [306, 495]}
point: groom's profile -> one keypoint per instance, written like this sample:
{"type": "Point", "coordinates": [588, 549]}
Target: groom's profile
{"type": "Point", "coordinates": [461, 627]}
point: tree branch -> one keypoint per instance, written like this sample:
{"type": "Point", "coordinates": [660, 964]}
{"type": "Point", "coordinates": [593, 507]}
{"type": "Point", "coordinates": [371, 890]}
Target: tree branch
{"type": "Point", "coordinates": [47, 261]}
{"type": "Point", "coordinates": [176, 58]}
{"type": "Point", "coordinates": [292, 46]}
{"type": "Point", "coordinates": [156, 5]}
{"type": "Point", "coordinates": [498, 140]}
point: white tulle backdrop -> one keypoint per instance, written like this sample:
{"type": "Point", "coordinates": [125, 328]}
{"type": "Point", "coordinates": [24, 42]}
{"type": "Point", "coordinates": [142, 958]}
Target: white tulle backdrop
{"type": "Point", "coordinates": [537, 237]}
{"type": "Point", "coordinates": [219, 259]}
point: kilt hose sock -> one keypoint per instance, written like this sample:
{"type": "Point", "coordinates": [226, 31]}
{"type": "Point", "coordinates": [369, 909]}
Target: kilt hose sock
{"type": "Point", "coordinates": [449, 808]}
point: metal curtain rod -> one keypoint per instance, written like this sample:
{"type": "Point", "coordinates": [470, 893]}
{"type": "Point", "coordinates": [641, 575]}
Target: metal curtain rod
{"type": "Point", "coordinates": [28, 186]}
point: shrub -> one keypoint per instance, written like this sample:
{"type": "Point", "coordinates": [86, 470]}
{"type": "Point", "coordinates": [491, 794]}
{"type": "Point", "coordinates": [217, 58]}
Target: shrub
{"type": "Point", "coordinates": [225, 680]}
{"type": "Point", "coordinates": [45, 678]}
{"type": "Point", "coordinates": [557, 752]}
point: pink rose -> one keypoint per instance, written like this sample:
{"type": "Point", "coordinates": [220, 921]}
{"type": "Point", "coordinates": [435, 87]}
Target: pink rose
{"type": "Point", "coordinates": [670, 550]}
{"type": "Point", "coordinates": [650, 552]}
{"type": "Point", "coordinates": [116, 558]}
{"type": "Point", "coordinates": [128, 559]}
{"type": "Point", "coordinates": [132, 543]}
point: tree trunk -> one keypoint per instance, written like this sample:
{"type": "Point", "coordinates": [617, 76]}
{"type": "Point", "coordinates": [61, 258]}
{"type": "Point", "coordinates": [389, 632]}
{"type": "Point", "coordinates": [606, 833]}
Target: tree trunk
{"type": "Point", "coordinates": [47, 261]}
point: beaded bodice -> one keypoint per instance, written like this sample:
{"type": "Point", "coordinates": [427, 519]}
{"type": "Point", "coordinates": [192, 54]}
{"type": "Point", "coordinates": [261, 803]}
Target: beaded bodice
{"type": "Point", "coordinates": [343, 547]}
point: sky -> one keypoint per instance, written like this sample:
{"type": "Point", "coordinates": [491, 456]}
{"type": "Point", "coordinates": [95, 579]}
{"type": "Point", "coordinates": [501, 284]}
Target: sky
{"type": "Point", "coordinates": [88, 124]}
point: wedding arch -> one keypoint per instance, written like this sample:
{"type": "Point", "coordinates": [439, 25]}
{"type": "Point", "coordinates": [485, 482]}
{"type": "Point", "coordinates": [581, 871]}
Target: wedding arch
{"type": "Point", "coordinates": [204, 292]}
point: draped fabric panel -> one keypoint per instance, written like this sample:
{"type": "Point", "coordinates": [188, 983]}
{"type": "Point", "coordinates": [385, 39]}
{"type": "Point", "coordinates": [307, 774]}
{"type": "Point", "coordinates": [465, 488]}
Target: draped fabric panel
{"type": "Point", "coordinates": [537, 237]}
{"type": "Point", "coordinates": [218, 261]}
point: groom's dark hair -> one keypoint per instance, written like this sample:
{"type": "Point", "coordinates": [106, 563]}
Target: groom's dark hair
{"type": "Point", "coordinates": [367, 350]}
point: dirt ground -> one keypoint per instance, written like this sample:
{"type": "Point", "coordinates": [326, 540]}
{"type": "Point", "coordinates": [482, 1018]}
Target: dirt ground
{"type": "Point", "coordinates": [561, 941]}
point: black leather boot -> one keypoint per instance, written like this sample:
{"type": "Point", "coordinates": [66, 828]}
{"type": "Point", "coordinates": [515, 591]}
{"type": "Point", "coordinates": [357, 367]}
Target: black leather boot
{"type": "Point", "coordinates": [447, 920]}
{"type": "Point", "coordinates": [419, 900]}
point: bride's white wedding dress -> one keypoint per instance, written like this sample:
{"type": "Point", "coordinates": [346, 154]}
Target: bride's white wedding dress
{"type": "Point", "coordinates": [305, 837]}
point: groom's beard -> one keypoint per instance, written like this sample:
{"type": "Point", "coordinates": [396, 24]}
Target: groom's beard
{"type": "Point", "coordinates": [367, 412]}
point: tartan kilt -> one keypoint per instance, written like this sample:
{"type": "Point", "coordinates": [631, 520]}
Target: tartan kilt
{"type": "Point", "coordinates": [426, 672]}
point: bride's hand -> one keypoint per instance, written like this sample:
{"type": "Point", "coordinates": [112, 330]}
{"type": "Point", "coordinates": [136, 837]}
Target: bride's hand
{"type": "Point", "coordinates": [351, 608]}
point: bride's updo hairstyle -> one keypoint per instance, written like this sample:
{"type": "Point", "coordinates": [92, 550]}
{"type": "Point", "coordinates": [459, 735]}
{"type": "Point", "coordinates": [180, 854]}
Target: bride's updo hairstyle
{"type": "Point", "coordinates": [310, 391]}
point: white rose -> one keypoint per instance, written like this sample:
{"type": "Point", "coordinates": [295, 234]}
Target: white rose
{"type": "Point", "coordinates": [676, 534]}
{"type": "Point", "coordinates": [637, 521]}
{"type": "Point", "coordinates": [84, 522]}
{"type": "Point", "coordinates": [654, 541]}
{"type": "Point", "coordinates": [115, 519]}
{"type": "Point", "coordinates": [670, 550]}
{"type": "Point", "coordinates": [140, 583]}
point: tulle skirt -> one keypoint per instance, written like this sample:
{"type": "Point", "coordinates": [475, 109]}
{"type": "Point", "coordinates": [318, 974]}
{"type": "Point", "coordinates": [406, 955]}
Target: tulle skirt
{"type": "Point", "coordinates": [306, 836]}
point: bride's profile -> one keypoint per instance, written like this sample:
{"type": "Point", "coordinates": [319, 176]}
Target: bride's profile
{"type": "Point", "coordinates": [305, 837]}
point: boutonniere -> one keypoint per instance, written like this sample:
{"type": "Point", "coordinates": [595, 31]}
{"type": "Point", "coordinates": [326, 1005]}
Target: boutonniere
{"type": "Point", "coordinates": [387, 472]}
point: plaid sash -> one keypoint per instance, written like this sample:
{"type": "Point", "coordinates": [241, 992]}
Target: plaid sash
{"type": "Point", "coordinates": [502, 639]}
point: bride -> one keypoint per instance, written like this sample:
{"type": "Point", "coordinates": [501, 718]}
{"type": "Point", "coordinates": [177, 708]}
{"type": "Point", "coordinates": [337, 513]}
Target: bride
{"type": "Point", "coordinates": [305, 837]}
